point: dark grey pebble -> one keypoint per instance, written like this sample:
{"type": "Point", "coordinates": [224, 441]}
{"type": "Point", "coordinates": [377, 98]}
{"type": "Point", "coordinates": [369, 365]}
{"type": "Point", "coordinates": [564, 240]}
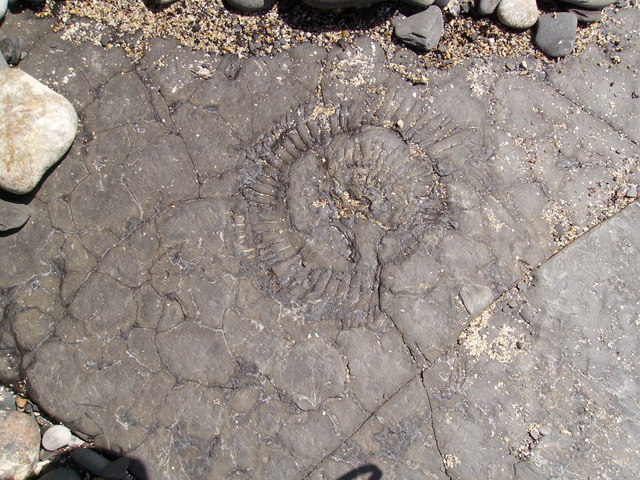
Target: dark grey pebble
{"type": "Point", "coordinates": [116, 470]}
{"type": "Point", "coordinates": [545, 430]}
{"type": "Point", "coordinates": [60, 474]}
{"type": "Point", "coordinates": [422, 30]}
{"type": "Point", "coordinates": [90, 460]}
{"type": "Point", "coordinates": [556, 33]}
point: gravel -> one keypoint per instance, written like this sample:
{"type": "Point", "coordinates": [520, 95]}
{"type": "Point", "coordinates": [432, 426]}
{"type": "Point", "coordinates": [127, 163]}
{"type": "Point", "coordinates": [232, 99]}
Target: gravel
{"type": "Point", "coordinates": [210, 26]}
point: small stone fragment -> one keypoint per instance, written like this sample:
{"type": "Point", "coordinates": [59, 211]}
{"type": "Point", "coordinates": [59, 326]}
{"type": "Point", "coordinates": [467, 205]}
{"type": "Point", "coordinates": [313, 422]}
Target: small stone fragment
{"type": "Point", "coordinates": [90, 460]}
{"type": "Point", "coordinates": [487, 7]}
{"type": "Point", "coordinates": [13, 215]}
{"type": "Point", "coordinates": [632, 192]}
{"type": "Point", "coordinates": [19, 445]}
{"type": "Point", "coordinates": [422, 30]}
{"type": "Point", "coordinates": [116, 470]}
{"type": "Point", "coordinates": [520, 14]}
{"type": "Point", "coordinates": [39, 127]}
{"type": "Point", "coordinates": [60, 474]}
{"type": "Point", "coordinates": [21, 402]}
{"type": "Point", "coordinates": [56, 437]}
{"type": "Point", "coordinates": [251, 5]}
{"type": "Point", "coordinates": [545, 430]}
{"type": "Point", "coordinates": [556, 33]}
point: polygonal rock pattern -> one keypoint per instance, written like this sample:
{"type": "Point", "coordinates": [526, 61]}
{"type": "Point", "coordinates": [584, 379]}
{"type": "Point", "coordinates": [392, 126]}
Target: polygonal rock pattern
{"type": "Point", "coordinates": [258, 267]}
{"type": "Point", "coordinates": [38, 127]}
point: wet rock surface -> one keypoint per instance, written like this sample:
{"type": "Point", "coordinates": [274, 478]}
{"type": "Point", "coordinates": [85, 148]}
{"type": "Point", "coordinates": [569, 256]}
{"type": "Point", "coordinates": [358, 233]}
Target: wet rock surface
{"type": "Point", "coordinates": [264, 267]}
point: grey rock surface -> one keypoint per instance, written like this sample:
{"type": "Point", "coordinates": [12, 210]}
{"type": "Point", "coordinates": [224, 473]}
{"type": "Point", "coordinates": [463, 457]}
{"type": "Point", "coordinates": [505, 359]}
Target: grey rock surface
{"type": "Point", "coordinates": [422, 30]}
{"type": "Point", "coordinates": [556, 33]}
{"type": "Point", "coordinates": [287, 285]}
{"type": "Point", "coordinates": [13, 215]}
{"type": "Point", "coordinates": [519, 14]}
{"type": "Point", "coordinates": [573, 381]}
{"type": "Point", "coordinates": [39, 126]}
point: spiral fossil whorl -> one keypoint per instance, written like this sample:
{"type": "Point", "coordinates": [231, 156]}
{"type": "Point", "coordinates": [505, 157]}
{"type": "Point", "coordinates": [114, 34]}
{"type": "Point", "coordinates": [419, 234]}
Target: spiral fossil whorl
{"type": "Point", "coordinates": [319, 200]}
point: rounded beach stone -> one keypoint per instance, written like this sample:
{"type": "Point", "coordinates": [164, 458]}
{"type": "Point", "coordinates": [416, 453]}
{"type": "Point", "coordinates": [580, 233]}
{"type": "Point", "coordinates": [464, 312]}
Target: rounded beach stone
{"type": "Point", "coordinates": [251, 5]}
{"type": "Point", "coordinates": [556, 33]}
{"type": "Point", "coordinates": [3, 8]}
{"type": "Point", "coordinates": [39, 128]}
{"type": "Point", "coordinates": [487, 7]}
{"type": "Point", "coordinates": [56, 437]}
{"type": "Point", "coordinates": [422, 30]}
{"type": "Point", "coordinates": [591, 4]}
{"type": "Point", "coordinates": [19, 445]}
{"type": "Point", "coordinates": [520, 14]}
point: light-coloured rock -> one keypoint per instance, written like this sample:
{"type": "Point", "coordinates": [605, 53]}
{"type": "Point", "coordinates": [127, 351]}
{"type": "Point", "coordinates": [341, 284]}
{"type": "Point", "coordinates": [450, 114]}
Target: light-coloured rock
{"type": "Point", "coordinates": [3, 8]}
{"type": "Point", "coordinates": [19, 445]}
{"type": "Point", "coordinates": [520, 14]}
{"type": "Point", "coordinates": [38, 127]}
{"type": "Point", "coordinates": [56, 437]}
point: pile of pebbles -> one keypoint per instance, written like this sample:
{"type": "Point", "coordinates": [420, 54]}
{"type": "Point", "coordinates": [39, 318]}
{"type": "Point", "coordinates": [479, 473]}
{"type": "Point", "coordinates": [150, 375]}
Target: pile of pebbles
{"type": "Point", "coordinates": [31, 446]}
{"type": "Point", "coordinates": [469, 28]}
{"type": "Point", "coordinates": [556, 31]}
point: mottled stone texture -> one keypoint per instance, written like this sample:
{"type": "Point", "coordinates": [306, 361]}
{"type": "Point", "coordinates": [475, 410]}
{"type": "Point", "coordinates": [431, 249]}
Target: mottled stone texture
{"type": "Point", "coordinates": [262, 268]}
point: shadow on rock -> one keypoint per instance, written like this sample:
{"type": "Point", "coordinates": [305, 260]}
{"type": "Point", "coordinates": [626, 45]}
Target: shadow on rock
{"type": "Point", "coordinates": [302, 17]}
{"type": "Point", "coordinates": [107, 465]}
{"type": "Point", "coordinates": [374, 473]}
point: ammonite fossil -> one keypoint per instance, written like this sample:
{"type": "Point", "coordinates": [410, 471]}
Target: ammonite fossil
{"type": "Point", "coordinates": [325, 190]}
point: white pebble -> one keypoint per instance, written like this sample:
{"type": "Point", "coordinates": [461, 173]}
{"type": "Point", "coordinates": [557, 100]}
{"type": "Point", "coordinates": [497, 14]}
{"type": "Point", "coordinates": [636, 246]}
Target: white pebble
{"type": "Point", "coordinates": [56, 437]}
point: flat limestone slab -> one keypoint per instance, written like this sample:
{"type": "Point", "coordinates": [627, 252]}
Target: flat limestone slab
{"type": "Point", "coordinates": [38, 126]}
{"type": "Point", "coordinates": [251, 267]}
{"type": "Point", "coordinates": [550, 384]}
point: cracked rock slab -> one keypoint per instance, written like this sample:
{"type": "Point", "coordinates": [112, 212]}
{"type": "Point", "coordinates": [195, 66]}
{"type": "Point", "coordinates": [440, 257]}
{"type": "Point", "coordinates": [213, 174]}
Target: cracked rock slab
{"type": "Point", "coordinates": [266, 286]}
